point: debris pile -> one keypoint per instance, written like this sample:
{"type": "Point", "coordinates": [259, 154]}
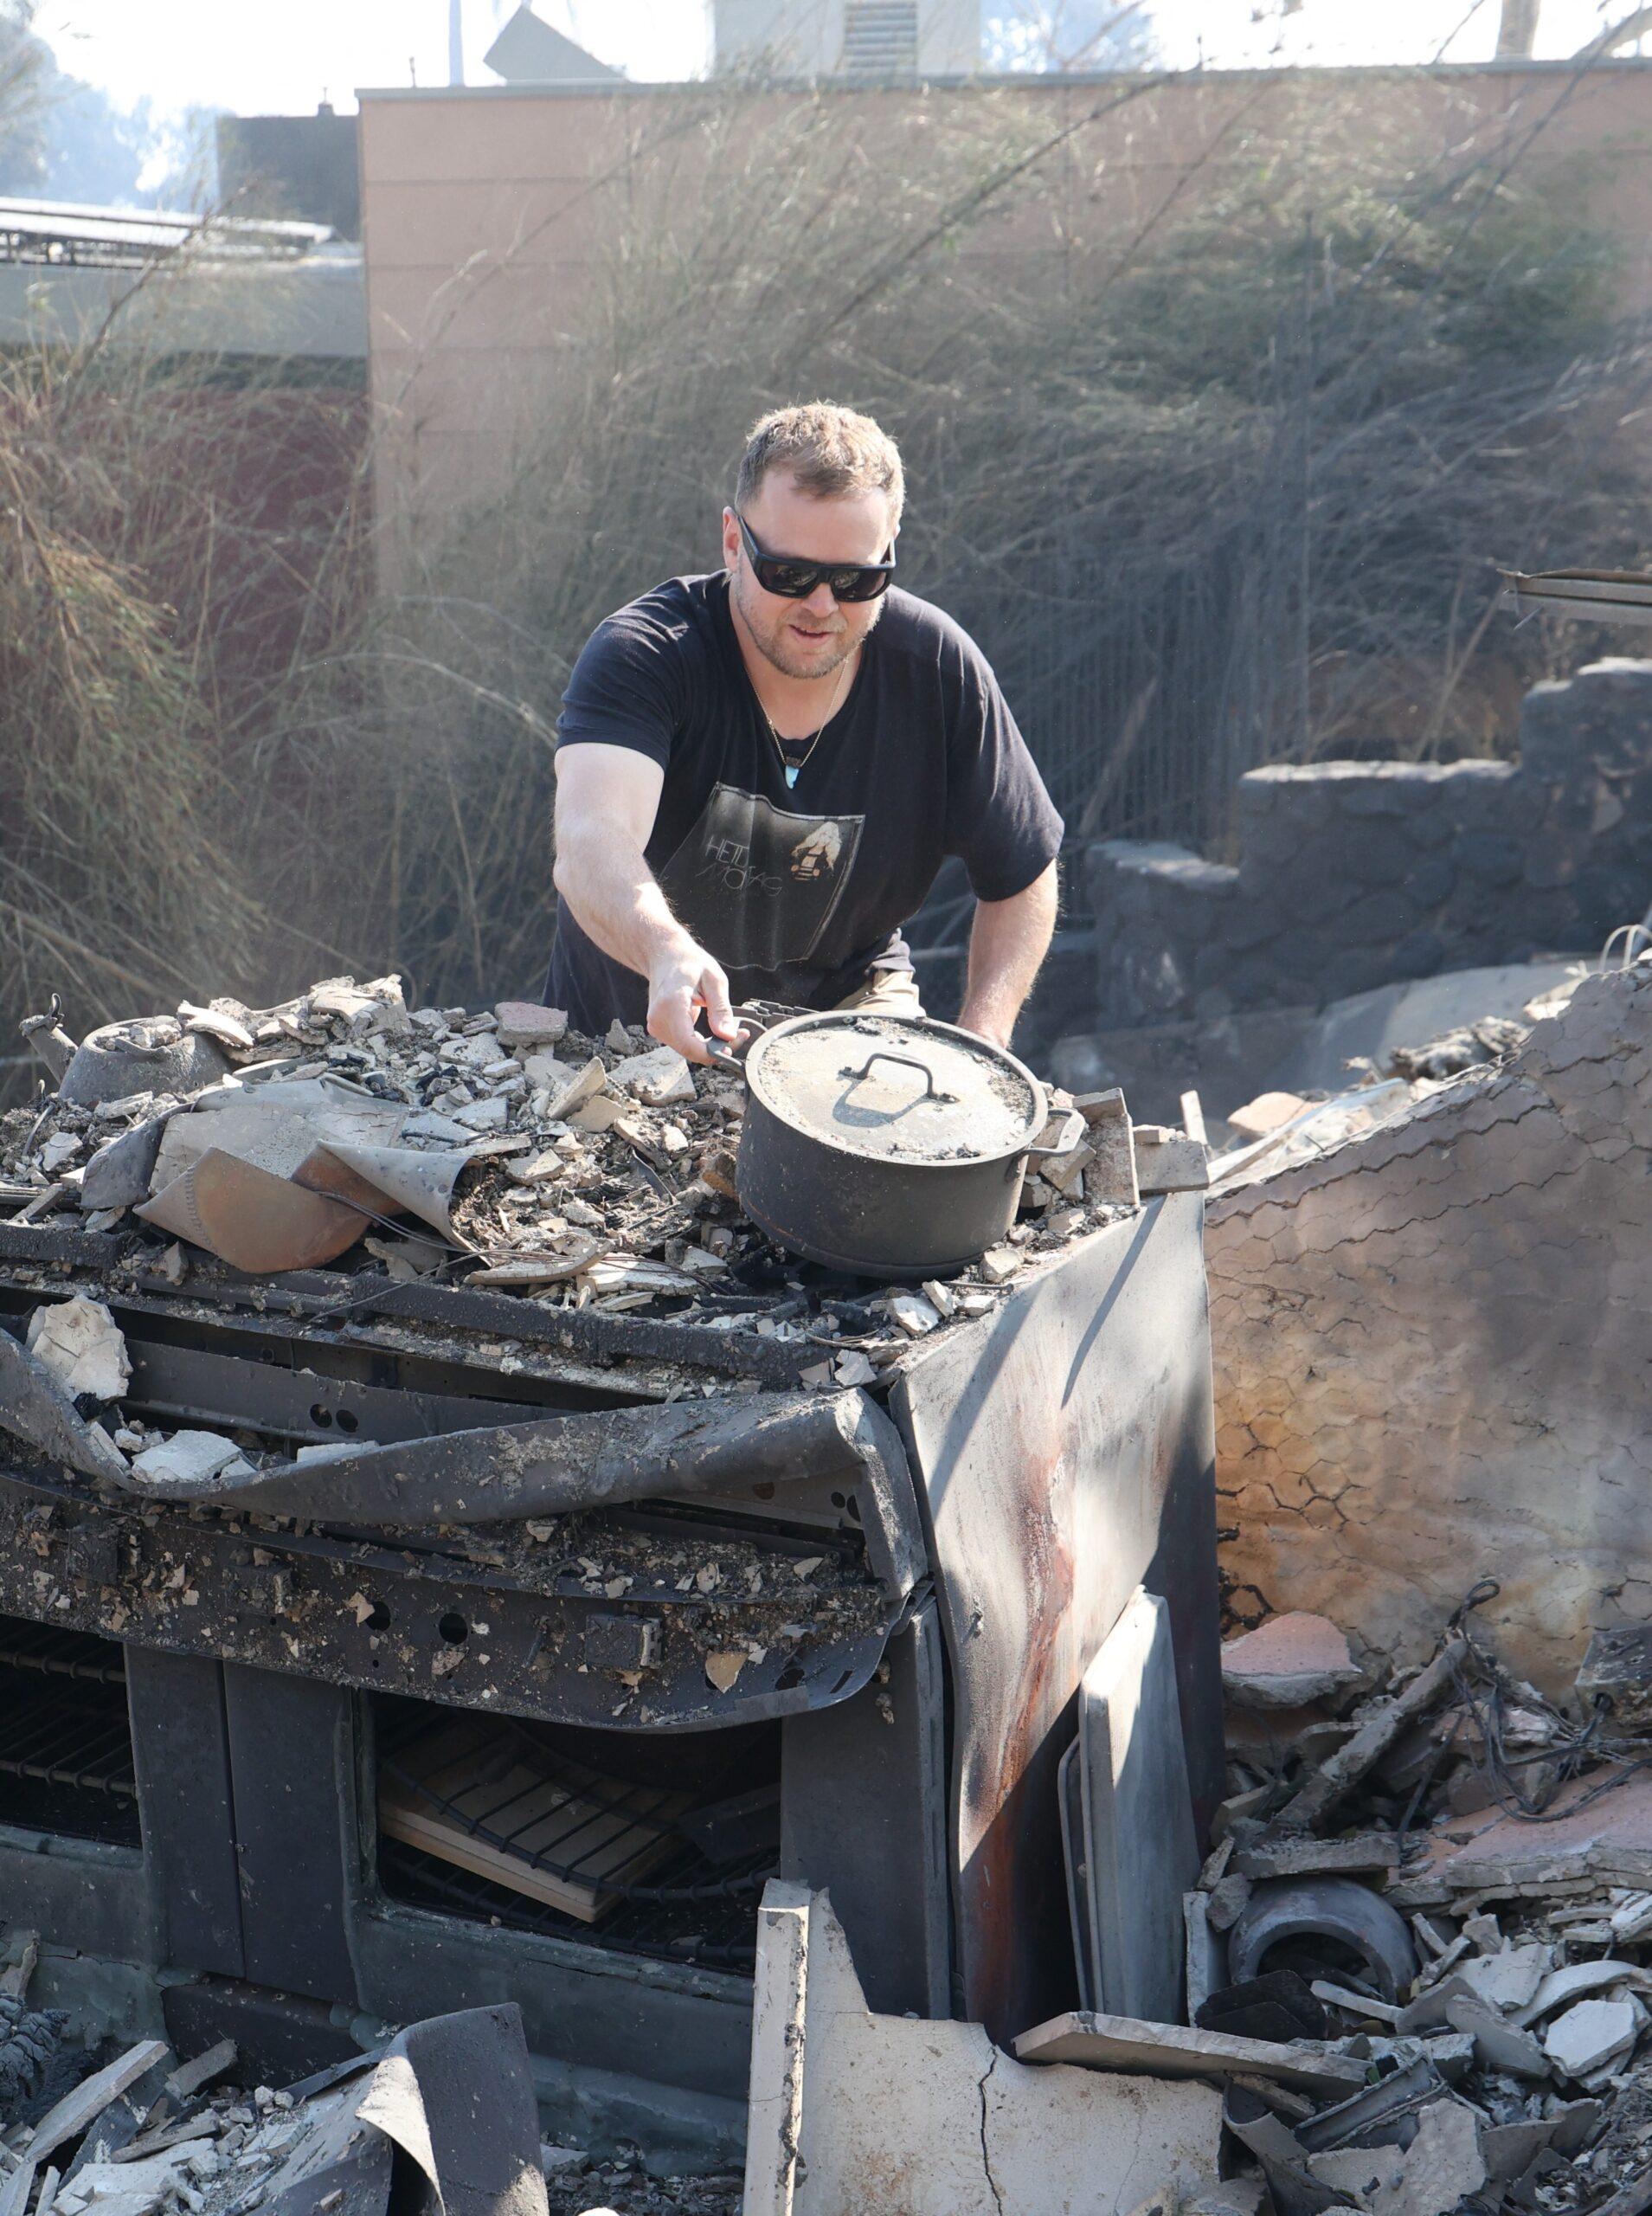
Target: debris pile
{"type": "Point", "coordinates": [579, 2184]}
{"type": "Point", "coordinates": [529, 1158]}
{"type": "Point", "coordinates": [1445, 1881]}
{"type": "Point", "coordinates": [133, 2131]}
{"type": "Point", "coordinates": [1277, 1129]}
{"type": "Point", "coordinates": [137, 2132]}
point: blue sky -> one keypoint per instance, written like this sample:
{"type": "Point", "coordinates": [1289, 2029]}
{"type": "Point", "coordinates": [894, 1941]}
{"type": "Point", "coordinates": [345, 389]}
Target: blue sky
{"type": "Point", "coordinates": [228, 54]}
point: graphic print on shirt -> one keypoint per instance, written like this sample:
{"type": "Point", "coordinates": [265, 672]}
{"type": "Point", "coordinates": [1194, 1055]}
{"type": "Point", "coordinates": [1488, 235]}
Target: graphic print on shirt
{"type": "Point", "coordinates": [756, 885]}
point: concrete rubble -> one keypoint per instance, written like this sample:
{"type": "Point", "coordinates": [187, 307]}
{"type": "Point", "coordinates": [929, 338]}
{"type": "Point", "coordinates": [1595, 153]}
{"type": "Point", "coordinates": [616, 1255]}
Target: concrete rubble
{"type": "Point", "coordinates": [1496, 2015]}
{"type": "Point", "coordinates": [854, 2113]}
{"type": "Point", "coordinates": [1429, 2035]}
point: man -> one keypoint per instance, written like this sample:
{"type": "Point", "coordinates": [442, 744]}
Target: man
{"type": "Point", "coordinates": [759, 772]}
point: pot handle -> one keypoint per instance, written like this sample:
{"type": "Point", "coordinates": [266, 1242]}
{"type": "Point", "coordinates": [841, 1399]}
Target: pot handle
{"type": "Point", "coordinates": [1071, 1131]}
{"type": "Point", "coordinates": [755, 1018]}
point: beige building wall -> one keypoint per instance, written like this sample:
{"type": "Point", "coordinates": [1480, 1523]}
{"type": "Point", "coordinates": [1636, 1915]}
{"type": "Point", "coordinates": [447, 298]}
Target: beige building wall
{"type": "Point", "coordinates": [491, 216]}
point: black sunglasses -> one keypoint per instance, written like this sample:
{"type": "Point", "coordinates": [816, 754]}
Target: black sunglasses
{"type": "Point", "coordinates": [792, 580]}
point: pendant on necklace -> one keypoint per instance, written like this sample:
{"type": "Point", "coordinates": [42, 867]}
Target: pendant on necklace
{"type": "Point", "coordinates": [792, 768]}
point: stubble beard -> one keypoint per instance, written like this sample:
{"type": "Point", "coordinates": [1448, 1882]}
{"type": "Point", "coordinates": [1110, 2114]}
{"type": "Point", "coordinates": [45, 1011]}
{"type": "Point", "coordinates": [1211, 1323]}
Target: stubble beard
{"type": "Point", "coordinates": [779, 656]}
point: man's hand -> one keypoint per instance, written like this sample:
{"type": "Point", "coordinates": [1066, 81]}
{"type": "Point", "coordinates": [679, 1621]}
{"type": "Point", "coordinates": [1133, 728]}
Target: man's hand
{"type": "Point", "coordinates": [682, 982]}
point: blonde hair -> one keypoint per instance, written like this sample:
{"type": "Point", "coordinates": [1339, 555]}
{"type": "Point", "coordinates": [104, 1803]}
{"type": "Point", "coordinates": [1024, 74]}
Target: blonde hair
{"type": "Point", "coordinates": [828, 450]}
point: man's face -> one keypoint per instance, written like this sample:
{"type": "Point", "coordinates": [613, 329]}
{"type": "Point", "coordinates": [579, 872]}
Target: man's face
{"type": "Point", "coordinates": [812, 637]}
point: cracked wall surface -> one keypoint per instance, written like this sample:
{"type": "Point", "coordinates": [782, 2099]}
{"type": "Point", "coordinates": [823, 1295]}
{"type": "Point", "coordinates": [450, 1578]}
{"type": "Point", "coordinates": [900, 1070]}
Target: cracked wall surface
{"type": "Point", "coordinates": [1432, 1354]}
{"type": "Point", "coordinates": [904, 2117]}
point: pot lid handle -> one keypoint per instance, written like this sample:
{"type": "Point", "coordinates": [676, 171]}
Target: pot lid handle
{"type": "Point", "coordinates": [882, 1054]}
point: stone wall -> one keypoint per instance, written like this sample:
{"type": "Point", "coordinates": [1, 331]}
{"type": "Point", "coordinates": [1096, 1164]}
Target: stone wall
{"type": "Point", "coordinates": [1353, 874]}
{"type": "Point", "coordinates": [1430, 1355]}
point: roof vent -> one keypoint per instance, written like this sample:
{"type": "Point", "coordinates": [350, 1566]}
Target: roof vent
{"type": "Point", "coordinates": [880, 38]}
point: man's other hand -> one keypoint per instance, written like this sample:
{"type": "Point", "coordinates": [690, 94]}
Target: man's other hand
{"type": "Point", "coordinates": [681, 984]}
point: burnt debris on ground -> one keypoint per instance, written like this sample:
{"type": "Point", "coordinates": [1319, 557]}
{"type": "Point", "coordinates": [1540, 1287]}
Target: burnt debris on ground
{"type": "Point", "coordinates": [498, 1148]}
{"type": "Point", "coordinates": [440, 2115]}
{"type": "Point", "coordinates": [1448, 1878]}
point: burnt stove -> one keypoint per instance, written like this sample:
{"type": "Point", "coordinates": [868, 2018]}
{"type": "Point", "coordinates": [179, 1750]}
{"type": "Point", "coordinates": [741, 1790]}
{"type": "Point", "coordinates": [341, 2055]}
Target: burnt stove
{"type": "Point", "coordinates": [590, 1624]}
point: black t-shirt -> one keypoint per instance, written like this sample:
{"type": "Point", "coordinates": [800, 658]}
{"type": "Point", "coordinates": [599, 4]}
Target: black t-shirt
{"type": "Point", "coordinates": [800, 892]}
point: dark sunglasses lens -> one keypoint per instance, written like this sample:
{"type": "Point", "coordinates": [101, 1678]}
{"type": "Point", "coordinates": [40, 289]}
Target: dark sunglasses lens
{"type": "Point", "coordinates": [858, 585]}
{"type": "Point", "coordinates": [787, 580]}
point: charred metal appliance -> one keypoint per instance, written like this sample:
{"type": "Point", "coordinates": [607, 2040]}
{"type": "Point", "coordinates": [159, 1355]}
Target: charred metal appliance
{"type": "Point", "coordinates": [836, 1634]}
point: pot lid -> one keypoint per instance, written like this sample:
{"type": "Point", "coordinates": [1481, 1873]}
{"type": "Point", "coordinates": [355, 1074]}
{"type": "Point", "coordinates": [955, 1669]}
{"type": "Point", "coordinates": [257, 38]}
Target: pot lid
{"type": "Point", "coordinates": [893, 1088]}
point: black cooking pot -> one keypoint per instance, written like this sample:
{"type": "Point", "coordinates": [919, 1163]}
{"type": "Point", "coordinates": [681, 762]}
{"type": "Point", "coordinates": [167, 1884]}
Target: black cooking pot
{"type": "Point", "coordinates": [892, 1146]}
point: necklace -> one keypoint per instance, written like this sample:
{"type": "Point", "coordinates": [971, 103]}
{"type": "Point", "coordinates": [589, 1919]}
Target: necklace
{"type": "Point", "coordinates": [790, 769]}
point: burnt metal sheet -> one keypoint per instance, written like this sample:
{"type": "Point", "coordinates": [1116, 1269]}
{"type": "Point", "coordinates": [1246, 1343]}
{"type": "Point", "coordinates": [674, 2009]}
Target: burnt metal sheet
{"type": "Point", "coordinates": [116, 1261]}
{"type": "Point", "coordinates": [417, 1620]}
{"type": "Point", "coordinates": [32, 1242]}
{"type": "Point", "coordinates": [279, 2037]}
{"type": "Point", "coordinates": [273, 1393]}
{"type": "Point", "coordinates": [196, 1385]}
{"type": "Point", "coordinates": [1065, 1448]}
{"type": "Point", "coordinates": [461, 2106]}
{"type": "Point", "coordinates": [292, 1764]}
{"type": "Point", "coordinates": [181, 1757]}
{"type": "Point", "coordinates": [256, 1221]}
{"type": "Point", "coordinates": [506, 1380]}
{"type": "Point", "coordinates": [559, 1463]}
{"type": "Point", "coordinates": [864, 1818]}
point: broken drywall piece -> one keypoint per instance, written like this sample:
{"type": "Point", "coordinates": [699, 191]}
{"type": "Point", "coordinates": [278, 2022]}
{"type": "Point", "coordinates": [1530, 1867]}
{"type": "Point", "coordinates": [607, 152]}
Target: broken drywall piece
{"type": "Point", "coordinates": [1169, 1162]}
{"type": "Point", "coordinates": [1110, 1176]}
{"type": "Point", "coordinates": [1576, 1980]}
{"type": "Point", "coordinates": [527, 1025]}
{"type": "Point", "coordinates": [1267, 1112]}
{"type": "Point", "coordinates": [901, 2118]}
{"type": "Point", "coordinates": [1590, 2035]}
{"type": "Point", "coordinates": [189, 1459]}
{"type": "Point", "coordinates": [82, 1346]}
{"type": "Point", "coordinates": [1357, 2174]}
{"type": "Point", "coordinates": [1111, 2043]}
{"type": "Point", "coordinates": [1441, 2166]}
{"type": "Point", "coordinates": [1286, 1662]}
{"type": "Point", "coordinates": [1509, 1979]}
{"type": "Point", "coordinates": [1499, 2044]}
{"type": "Point", "coordinates": [1582, 1835]}
{"type": "Point", "coordinates": [1365, 1853]}
{"type": "Point", "coordinates": [584, 1086]}
{"type": "Point", "coordinates": [656, 1078]}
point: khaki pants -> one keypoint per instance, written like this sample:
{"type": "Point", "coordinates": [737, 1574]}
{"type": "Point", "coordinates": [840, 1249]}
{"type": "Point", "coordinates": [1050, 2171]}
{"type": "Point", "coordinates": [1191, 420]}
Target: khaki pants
{"type": "Point", "coordinates": [887, 992]}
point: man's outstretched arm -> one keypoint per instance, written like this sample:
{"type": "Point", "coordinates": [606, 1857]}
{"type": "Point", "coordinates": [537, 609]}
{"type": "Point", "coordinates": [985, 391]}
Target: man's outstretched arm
{"type": "Point", "coordinates": [607, 799]}
{"type": "Point", "coordinates": [1008, 941]}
